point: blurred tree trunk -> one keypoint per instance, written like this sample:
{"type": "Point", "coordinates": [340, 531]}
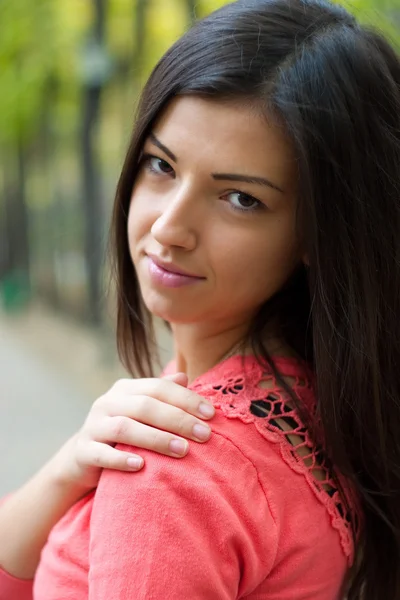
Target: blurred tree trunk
{"type": "Point", "coordinates": [21, 211]}
{"type": "Point", "coordinates": [16, 213]}
{"type": "Point", "coordinates": [191, 7]}
{"type": "Point", "coordinates": [93, 213]}
{"type": "Point", "coordinates": [46, 149]}
{"type": "Point", "coordinates": [139, 33]}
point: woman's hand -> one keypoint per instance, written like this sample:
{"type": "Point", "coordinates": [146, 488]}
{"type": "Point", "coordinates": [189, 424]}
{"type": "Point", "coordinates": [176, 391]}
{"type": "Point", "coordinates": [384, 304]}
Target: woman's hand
{"type": "Point", "coordinates": [147, 413]}
{"type": "Point", "coordinates": [154, 413]}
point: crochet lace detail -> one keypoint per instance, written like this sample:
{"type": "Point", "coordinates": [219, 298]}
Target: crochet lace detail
{"type": "Point", "coordinates": [253, 395]}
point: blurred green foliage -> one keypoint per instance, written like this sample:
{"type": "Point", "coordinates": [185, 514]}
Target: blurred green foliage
{"type": "Point", "coordinates": [48, 65]}
{"type": "Point", "coordinates": [37, 44]}
{"type": "Point", "coordinates": [41, 45]}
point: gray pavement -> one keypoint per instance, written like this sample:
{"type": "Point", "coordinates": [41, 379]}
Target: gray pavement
{"type": "Point", "coordinates": [51, 370]}
{"type": "Point", "coordinates": [40, 407]}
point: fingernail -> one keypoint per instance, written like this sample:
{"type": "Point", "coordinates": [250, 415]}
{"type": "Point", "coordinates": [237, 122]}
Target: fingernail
{"type": "Point", "coordinates": [134, 463]}
{"type": "Point", "coordinates": [202, 432]}
{"type": "Point", "coordinates": [178, 447]}
{"type": "Point", "coordinates": [206, 410]}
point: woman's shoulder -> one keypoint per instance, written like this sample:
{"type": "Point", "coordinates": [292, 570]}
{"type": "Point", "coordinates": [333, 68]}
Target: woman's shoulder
{"type": "Point", "coordinates": [259, 415]}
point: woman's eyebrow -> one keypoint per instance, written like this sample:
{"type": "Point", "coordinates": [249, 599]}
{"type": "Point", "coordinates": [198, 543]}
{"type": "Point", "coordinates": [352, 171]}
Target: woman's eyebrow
{"type": "Point", "coordinates": [247, 179]}
{"type": "Point", "coordinates": [219, 176]}
{"type": "Point", "coordinates": [160, 145]}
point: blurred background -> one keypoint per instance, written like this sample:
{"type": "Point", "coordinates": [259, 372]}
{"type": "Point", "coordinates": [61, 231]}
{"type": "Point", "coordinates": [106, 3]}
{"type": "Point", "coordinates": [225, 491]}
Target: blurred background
{"type": "Point", "coordinates": [70, 75]}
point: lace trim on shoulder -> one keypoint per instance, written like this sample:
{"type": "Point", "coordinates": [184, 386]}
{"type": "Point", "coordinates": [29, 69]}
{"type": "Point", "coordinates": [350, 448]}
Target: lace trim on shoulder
{"type": "Point", "coordinates": [254, 396]}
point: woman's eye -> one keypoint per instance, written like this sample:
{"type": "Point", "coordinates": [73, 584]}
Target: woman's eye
{"type": "Point", "coordinates": [243, 202]}
{"type": "Point", "coordinates": [157, 165]}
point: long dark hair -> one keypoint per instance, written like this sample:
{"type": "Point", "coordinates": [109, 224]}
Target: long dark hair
{"type": "Point", "coordinates": [334, 85]}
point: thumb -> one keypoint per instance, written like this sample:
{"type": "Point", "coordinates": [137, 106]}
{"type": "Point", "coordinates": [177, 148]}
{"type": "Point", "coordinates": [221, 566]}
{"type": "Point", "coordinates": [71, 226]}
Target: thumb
{"type": "Point", "coordinates": [179, 378]}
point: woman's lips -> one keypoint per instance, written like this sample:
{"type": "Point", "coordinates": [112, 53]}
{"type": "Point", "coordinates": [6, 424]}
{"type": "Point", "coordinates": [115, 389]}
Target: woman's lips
{"type": "Point", "coordinates": [164, 274]}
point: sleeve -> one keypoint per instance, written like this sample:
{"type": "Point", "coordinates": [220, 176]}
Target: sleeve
{"type": "Point", "coordinates": [198, 527]}
{"type": "Point", "coordinates": [12, 588]}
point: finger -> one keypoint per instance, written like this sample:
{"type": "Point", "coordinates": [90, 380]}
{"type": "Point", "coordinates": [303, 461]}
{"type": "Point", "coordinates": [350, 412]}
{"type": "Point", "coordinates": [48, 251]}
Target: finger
{"type": "Point", "coordinates": [152, 412]}
{"type": "Point", "coordinates": [126, 431]}
{"type": "Point", "coordinates": [106, 457]}
{"type": "Point", "coordinates": [168, 392]}
{"type": "Point", "coordinates": [179, 378]}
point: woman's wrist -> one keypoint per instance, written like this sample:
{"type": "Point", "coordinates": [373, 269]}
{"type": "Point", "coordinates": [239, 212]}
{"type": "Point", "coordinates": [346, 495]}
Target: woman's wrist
{"type": "Point", "coordinates": [47, 496]}
{"type": "Point", "coordinates": [63, 474]}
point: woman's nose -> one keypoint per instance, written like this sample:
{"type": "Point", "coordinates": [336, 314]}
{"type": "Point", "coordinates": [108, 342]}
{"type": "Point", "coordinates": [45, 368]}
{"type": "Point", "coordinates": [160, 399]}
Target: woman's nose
{"type": "Point", "coordinates": [176, 225]}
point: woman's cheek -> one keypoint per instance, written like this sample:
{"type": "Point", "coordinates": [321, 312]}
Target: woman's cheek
{"type": "Point", "coordinates": [139, 220]}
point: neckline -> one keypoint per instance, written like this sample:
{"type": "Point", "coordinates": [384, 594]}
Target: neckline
{"type": "Point", "coordinates": [287, 365]}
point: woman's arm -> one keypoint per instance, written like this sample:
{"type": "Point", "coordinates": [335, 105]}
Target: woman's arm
{"type": "Point", "coordinates": [28, 515]}
{"type": "Point", "coordinates": [199, 528]}
{"type": "Point", "coordinates": [131, 412]}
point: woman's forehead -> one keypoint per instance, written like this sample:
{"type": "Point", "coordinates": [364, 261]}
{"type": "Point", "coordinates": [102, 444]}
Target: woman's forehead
{"type": "Point", "coordinates": [223, 132]}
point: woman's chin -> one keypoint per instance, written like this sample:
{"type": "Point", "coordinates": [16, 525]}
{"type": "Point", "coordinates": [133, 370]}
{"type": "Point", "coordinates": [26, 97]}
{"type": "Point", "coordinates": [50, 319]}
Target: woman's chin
{"type": "Point", "coordinates": [173, 312]}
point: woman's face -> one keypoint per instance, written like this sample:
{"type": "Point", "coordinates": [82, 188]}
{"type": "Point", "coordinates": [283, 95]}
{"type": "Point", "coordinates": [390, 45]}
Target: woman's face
{"type": "Point", "coordinates": [215, 199]}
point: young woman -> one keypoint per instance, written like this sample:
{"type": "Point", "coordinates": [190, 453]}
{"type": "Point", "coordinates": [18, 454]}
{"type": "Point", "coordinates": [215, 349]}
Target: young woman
{"type": "Point", "coordinates": [258, 214]}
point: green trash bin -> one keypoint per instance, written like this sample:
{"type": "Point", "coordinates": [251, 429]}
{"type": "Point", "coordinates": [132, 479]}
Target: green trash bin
{"type": "Point", "coordinates": [14, 290]}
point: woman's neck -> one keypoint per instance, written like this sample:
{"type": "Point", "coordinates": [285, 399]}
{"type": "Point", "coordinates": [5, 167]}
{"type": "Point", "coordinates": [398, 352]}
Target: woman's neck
{"type": "Point", "coordinates": [198, 349]}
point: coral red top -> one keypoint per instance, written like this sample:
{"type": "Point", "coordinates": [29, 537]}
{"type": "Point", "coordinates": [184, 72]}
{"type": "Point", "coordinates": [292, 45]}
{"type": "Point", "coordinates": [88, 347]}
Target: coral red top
{"type": "Point", "coordinates": [253, 513]}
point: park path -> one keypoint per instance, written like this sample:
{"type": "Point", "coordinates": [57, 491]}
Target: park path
{"type": "Point", "coordinates": [40, 407]}
{"type": "Point", "coordinates": [51, 370]}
